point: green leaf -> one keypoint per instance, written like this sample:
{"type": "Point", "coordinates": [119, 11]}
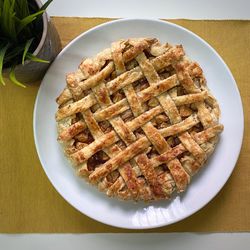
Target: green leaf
{"type": "Point", "coordinates": [13, 78]}
{"type": "Point", "coordinates": [7, 21]}
{"type": "Point", "coordinates": [45, 6]}
{"type": "Point", "coordinates": [19, 25]}
{"type": "Point", "coordinates": [12, 53]}
{"type": "Point", "coordinates": [26, 48]}
{"type": "Point", "coordinates": [25, 21]}
{"type": "Point", "coordinates": [36, 59]}
{"type": "Point", "coordinates": [2, 53]}
{"type": "Point", "coordinates": [22, 9]}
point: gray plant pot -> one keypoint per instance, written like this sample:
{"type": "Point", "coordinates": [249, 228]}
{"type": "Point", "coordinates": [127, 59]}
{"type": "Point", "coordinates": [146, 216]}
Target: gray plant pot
{"type": "Point", "coordinates": [47, 49]}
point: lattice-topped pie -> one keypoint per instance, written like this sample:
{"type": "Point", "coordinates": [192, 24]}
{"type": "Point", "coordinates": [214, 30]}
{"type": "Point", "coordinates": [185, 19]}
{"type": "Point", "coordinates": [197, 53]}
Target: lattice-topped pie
{"type": "Point", "coordinates": [137, 120]}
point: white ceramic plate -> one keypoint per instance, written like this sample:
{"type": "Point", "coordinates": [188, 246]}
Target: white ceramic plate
{"type": "Point", "coordinates": [132, 215]}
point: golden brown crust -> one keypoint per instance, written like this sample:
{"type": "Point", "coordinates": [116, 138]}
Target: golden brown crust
{"type": "Point", "coordinates": [72, 131]}
{"type": "Point", "coordinates": [130, 152]}
{"type": "Point", "coordinates": [64, 97]}
{"type": "Point", "coordinates": [138, 120]}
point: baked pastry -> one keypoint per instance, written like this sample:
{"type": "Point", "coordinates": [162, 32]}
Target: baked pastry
{"type": "Point", "coordinates": [137, 120]}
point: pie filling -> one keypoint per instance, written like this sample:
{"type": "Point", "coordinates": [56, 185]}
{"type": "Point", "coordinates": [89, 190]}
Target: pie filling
{"type": "Point", "coordinates": [138, 120]}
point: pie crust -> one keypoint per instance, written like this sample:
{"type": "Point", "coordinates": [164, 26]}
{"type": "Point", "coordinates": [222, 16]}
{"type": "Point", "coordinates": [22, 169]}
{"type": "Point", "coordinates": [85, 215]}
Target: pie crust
{"type": "Point", "coordinates": [137, 120]}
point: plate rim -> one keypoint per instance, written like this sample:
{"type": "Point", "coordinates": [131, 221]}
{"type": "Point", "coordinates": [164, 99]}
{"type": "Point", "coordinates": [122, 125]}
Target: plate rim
{"type": "Point", "coordinates": [241, 122]}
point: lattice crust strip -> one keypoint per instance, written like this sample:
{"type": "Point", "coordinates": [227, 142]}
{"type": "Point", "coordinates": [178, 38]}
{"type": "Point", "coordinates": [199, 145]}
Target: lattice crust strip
{"type": "Point", "coordinates": [137, 120]}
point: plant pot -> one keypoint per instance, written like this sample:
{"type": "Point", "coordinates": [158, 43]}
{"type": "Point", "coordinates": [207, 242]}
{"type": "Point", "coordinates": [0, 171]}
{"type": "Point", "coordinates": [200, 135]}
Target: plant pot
{"type": "Point", "coordinates": [47, 49]}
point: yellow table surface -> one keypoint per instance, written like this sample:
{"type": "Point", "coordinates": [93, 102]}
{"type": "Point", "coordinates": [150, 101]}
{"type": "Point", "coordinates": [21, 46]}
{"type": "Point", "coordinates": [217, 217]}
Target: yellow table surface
{"type": "Point", "coordinates": [29, 202]}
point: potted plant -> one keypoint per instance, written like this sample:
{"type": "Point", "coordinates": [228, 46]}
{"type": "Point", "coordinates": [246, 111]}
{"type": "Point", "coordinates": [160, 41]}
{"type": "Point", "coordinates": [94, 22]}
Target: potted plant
{"type": "Point", "coordinates": [28, 41]}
